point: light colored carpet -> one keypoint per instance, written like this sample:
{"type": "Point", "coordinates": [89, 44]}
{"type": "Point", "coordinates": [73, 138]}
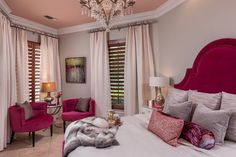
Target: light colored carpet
{"type": "Point", "coordinates": [45, 145]}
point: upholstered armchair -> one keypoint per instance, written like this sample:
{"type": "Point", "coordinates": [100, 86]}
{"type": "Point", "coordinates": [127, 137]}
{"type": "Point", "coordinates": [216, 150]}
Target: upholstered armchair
{"type": "Point", "coordinates": [70, 114]}
{"type": "Point", "coordinates": [40, 120]}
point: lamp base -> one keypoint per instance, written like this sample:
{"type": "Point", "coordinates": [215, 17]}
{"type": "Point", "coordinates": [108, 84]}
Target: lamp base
{"type": "Point", "coordinates": [48, 99]}
{"type": "Point", "coordinates": [159, 100]}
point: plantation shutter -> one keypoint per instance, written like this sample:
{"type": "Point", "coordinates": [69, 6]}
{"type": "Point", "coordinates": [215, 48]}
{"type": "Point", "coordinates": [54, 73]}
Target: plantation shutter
{"type": "Point", "coordinates": [117, 65]}
{"type": "Point", "coordinates": [34, 71]}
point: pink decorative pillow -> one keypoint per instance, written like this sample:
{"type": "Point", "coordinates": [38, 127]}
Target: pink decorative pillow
{"type": "Point", "coordinates": [166, 127]}
{"type": "Point", "coordinates": [198, 136]}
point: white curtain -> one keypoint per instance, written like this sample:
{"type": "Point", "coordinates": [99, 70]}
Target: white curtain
{"type": "Point", "coordinates": [50, 63]}
{"type": "Point", "coordinates": [7, 78]}
{"type": "Point", "coordinates": [139, 67]}
{"type": "Point", "coordinates": [20, 46]}
{"type": "Point", "coordinates": [100, 75]}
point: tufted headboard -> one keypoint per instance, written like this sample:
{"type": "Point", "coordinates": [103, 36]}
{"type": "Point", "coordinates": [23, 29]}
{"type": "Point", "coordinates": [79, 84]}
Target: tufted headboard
{"type": "Point", "coordinates": [214, 69]}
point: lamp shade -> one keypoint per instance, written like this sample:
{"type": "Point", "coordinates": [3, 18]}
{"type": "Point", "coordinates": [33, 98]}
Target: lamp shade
{"type": "Point", "coordinates": [158, 81]}
{"type": "Point", "coordinates": [48, 87]}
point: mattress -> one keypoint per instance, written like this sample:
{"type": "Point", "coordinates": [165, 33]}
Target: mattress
{"type": "Point", "coordinates": [136, 141]}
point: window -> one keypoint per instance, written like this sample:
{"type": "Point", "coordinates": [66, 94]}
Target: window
{"type": "Point", "coordinates": [34, 71]}
{"type": "Point", "coordinates": [117, 65]}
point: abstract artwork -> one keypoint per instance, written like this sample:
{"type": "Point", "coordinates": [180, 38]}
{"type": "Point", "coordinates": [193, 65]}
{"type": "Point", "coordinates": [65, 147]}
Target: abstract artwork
{"type": "Point", "coordinates": [76, 70]}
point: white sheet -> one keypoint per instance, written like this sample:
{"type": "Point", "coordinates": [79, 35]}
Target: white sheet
{"type": "Point", "coordinates": [136, 141]}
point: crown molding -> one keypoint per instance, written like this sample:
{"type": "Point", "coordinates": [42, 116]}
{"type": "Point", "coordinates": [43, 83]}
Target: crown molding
{"type": "Point", "coordinates": [33, 25]}
{"type": "Point", "coordinates": [25, 22]}
{"type": "Point", "coordinates": [149, 15]}
{"type": "Point", "coordinates": [5, 7]}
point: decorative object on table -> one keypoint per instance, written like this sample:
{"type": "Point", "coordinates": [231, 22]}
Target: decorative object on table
{"type": "Point", "coordinates": [158, 83]}
{"type": "Point", "coordinates": [113, 119]}
{"type": "Point", "coordinates": [48, 87]}
{"type": "Point", "coordinates": [105, 11]}
{"type": "Point", "coordinates": [58, 96]}
{"type": "Point", "coordinates": [75, 70]}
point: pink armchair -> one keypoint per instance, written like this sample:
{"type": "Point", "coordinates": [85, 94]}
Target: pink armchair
{"type": "Point", "coordinates": [70, 114]}
{"type": "Point", "coordinates": [40, 120]}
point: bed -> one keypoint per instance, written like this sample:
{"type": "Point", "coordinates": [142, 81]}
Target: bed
{"type": "Point", "coordinates": [214, 70]}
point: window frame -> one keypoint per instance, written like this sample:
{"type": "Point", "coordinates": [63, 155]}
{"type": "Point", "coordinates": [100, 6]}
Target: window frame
{"type": "Point", "coordinates": [118, 62]}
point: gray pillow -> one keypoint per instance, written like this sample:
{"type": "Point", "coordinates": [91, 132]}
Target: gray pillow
{"type": "Point", "coordinates": [214, 120]}
{"type": "Point", "coordinates": [210, 100]}
{"type": "Point", "coordinates": [229, 103]}
{"type": "Point", "coordinates": [27, 108]}
{"type": "Point", "coordinates": [83, 105]}
{"type": "Point", "coordinates": [175, 96]}
{"type": "Point", "coordinates": [181, 110]}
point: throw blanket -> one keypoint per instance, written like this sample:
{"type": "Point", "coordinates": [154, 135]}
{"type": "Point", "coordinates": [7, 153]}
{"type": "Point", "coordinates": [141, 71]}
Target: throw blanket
{"type": "Point", "coordinates": [84, 133]}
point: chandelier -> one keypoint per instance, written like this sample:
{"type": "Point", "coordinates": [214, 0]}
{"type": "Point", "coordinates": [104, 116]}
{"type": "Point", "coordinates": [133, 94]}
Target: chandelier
{"type": "Point", "coordinates": [106, 11]}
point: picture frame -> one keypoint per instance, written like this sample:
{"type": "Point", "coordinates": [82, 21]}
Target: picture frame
{"type": "Point", "coordinates": [75, 69]}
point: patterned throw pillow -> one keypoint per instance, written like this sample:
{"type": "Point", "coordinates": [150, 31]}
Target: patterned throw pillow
{"type": "Point", "coordinates": [198, 136]}
{"type": "Point", "coordinates": [167, 128]}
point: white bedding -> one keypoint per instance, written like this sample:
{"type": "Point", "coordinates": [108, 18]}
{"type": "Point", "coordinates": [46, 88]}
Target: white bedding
{"type": "Point", "coordinates": [136, 141]}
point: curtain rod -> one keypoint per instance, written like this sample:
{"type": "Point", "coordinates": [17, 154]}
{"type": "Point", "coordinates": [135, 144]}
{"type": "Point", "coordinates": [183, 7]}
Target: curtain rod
{"type": "Point", "coordinates": [119, 27]}
{"type": "Point", "coordinates": [27, 28]}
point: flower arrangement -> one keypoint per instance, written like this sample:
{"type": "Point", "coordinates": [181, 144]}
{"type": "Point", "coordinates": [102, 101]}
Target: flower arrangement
{"type": "Point", "coordinates": [58, 94]}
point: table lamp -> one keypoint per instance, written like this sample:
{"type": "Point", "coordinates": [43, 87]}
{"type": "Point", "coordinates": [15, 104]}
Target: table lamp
{"type": "Point", "coordinates": [158, 83]}
{"type": "Point", "coordinates": [48, 87]}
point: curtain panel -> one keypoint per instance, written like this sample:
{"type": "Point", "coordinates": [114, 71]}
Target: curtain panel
{"type": "Point", "coordinates": [20, 47]}
{"type": "Point", "coordinates": [139, 66]}
{"type": "Point", "coordinates": [100, 74]}
{"type": "Point", "coordinates": [50, 63]}
{"type": "Point", "coordinates": [7, 78]}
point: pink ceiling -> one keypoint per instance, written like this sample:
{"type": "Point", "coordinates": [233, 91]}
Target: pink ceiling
{"type": "Point", "coordinates": [67, 12]}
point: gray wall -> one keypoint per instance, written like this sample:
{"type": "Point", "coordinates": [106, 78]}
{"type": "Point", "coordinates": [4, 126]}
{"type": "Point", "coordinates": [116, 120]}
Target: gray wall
{"type": "Point", "coordinates": [184, 31]}
{"type": "Point", "coordinates": [177, 39]}
{"type": "Point", "coordinates": [75, 45]}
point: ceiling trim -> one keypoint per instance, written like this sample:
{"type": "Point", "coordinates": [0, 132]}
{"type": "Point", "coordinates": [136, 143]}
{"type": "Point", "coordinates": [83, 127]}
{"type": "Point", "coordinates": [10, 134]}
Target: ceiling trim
{"type": "Point", "coordinates": [26, 22]}
{"type": "Point", "coordinates": [149, 15]}
{"type": "Point", "coordinates": [5, 7]}
{"type": "Point", "coordinates": [33, 25]}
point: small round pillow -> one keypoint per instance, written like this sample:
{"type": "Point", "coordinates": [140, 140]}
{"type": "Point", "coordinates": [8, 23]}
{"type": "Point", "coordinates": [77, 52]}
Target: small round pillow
{"type": "Point", "coordinates": [100, 122]}
{"type": "Point", "coordinates": [198, 136]}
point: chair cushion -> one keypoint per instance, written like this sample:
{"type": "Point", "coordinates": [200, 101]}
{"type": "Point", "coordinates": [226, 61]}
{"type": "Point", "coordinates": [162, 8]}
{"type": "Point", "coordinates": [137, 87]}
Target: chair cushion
{"type": "Point", "coordinates": [74, 115]}
{"type": "Point", "coordinates": [37, 123]}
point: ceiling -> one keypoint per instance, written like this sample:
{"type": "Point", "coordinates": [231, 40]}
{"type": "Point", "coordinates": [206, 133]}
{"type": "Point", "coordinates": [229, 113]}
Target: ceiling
{"type": "Point", "coordinates": [67, 12]}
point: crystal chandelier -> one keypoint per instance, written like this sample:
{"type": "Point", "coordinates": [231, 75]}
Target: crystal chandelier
{"type": "Point", "coordinates": [105, 11]}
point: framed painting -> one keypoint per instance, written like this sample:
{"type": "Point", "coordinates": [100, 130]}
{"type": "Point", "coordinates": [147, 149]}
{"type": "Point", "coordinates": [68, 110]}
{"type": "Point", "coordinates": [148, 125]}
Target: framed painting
{"type": "Point", "coordinates": [75, 70]}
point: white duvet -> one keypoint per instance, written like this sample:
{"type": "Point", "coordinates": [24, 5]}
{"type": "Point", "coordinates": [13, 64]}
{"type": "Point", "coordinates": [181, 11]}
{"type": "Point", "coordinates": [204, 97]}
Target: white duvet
{"type": "Point", "coordinates": [136, 141]}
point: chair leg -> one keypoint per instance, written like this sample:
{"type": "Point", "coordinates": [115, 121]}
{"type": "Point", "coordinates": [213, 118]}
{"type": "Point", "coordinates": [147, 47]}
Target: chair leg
{"type": "Point", "coordinates": [51, 129]}
{"type": "Point", "coordinates": [33, 138]}
{"type": "Point", "coordinates": [64, 126]}
{"type": "Point", "coordinates": [12, 136]}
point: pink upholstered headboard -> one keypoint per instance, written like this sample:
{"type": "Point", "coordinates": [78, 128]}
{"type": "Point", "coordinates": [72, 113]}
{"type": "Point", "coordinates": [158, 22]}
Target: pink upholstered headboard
{"type": "Point", "coordinates": [214, 69]}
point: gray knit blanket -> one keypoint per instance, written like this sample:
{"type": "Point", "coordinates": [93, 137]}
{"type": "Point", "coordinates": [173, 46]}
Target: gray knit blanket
{"type": "Point", "coordinates": [84, 133]}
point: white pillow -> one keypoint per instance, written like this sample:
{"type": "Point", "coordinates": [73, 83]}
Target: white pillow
{"type": "Point", "coordinates": [175, 96]}
{"type": "Point", "coordinates": [100, 122]}
{"type": "Point", "coordinates": [210, 100]}
{"type": "Point", "coordinates": [229, 103]}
